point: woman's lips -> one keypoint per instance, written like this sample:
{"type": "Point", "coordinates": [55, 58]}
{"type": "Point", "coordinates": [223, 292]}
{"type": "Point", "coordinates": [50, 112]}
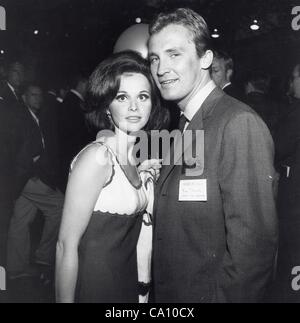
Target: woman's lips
{"type": "Point", "coordinates": [133, 119]}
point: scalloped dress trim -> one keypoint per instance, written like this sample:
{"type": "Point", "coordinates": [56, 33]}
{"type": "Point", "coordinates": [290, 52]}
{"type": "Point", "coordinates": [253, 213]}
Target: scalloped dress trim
{"type": "Point", "coordinates": [137, 187]}
{"type": "Point", "coordinates": [136, 214]}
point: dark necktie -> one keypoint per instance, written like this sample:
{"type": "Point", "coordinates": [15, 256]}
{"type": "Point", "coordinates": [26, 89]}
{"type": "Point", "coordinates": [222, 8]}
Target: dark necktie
{"type": "Point", "coordinates": [182, 122]}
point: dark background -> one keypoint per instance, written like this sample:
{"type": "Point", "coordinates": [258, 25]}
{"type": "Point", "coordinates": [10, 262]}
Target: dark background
{"type": "Point", "coordinates": [78, 34]}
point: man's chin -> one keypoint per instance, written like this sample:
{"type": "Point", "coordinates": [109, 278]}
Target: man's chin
{"type": "Point", "coordinates": [169, 96]}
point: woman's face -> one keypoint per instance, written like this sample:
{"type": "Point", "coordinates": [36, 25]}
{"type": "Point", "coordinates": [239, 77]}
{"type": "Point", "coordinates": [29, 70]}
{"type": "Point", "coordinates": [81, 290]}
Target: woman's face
{"type": "Point", "coordinates": [295, 83]}
{"type": "Point", "coordinates": [130, 109]}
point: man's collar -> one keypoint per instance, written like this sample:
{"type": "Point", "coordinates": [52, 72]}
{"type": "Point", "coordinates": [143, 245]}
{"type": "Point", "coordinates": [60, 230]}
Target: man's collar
{"type": "Point", "coordinates": [77, 94]}
{"type": "Point", "coordinates": [196, 102]}
{"type": "Point", "coordinates": [52, 93]}
{"type": "Point", "coordinates": [227, 84]}
{"type": "Point", "coordinates": [11, 87]}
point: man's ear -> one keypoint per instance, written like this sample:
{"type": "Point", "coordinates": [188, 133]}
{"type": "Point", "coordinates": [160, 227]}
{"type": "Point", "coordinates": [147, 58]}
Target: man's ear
{"type": "Point", "coordinates": [23, 97]}
{"type": "Point", "coordinates": [207, 59]}
{"type": "Point", "coordinates": [229, 73]}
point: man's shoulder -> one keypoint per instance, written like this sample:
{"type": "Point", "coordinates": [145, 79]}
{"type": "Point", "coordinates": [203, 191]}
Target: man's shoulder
{"type": "Point", "coordinates": [240, 119]}
{"type": "Point", "coordinates": [4, 89]}
{"type": "Point", "coordinates": [232, 107]}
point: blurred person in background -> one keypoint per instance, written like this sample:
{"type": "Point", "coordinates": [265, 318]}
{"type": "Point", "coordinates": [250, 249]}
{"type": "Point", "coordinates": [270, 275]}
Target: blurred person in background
{"type": "Point", "coordinates": [39, 192]}
{"type": "Point", "coordinates": [288, 160]}
{"type": "Point", "coordinates": [257, 97]}
{"type": "Point", "coordinates": [73, 131]}
{"type": "Point", "coordinates": [222, 70]}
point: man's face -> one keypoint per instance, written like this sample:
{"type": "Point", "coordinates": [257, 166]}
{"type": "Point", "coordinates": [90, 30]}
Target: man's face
{"type": "Point", "coordinates": [16, 75]}
{"type": "Point", "coordinates": [218, 72]}
{"type": "Point", "coordinates": [33, 98]}
{"type": "Point", "coordinates": [175, 65]}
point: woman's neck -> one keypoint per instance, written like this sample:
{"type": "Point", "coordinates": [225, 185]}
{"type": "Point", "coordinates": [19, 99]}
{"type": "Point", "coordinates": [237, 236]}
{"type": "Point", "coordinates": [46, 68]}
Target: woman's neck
{"type": "Point", "coordinates": [124, 146]}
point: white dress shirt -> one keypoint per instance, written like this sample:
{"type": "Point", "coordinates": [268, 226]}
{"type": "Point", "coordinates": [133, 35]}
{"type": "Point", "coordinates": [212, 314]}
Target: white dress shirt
{"type": "Point", "coordinates": [197, 100]}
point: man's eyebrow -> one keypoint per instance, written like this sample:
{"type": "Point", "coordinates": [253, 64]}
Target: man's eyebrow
{"type": "Point", "coordinates": [152, 54]}
{"type": "Point", "coordinates": [169, 50]}
{"type": "Point", "coordinates": [175, 49]}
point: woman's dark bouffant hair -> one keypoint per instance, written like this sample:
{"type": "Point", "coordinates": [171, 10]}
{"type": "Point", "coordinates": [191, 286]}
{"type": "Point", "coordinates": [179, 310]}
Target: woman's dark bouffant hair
{"type": "Point", "coordinates": [104, 84]}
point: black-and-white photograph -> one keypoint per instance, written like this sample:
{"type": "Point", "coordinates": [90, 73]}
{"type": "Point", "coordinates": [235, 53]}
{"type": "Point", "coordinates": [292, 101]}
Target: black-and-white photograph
{"type": "Point", "coordinates": [150, 153]}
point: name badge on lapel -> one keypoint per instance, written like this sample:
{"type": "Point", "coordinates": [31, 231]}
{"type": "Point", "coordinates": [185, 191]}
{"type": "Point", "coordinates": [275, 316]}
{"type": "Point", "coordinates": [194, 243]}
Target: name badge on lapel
{"type": "Point", "coordinates": [193, 190]}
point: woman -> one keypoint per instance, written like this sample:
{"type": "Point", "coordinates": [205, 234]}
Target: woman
{"type": "Point", "coordinates": [106, 196]}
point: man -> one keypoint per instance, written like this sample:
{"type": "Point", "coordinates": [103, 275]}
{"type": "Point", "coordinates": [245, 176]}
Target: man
{"type": "Point", "coordinates": [222, 72]}
{"type": "Point", "coordinates": [12, 148]}
{"type": "Point", "coordinates": [74, 134]}
{"type": "Point", "coordinates": [288, 159]}
{"type": "Point", "coordinates": [11, 87]}
{"type": "Point", "coordinates": [39, 193]}
{"type": "Point", "coordinates": [215, 233]}
{"type": "Point", "coordinates": [256, 89]}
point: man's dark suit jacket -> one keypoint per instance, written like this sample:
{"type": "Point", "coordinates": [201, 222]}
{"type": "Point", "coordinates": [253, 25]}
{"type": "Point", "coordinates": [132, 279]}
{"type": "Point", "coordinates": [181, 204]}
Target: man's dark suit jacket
{"type": "Point", "coordinates": [287, 143]}
{"type": "Point", "coordinates": [15, 108]}
{"type": "Point", "coordinates": [288, 153]}
{"type": "Point", "coordinates": [9, 146]}
{"type": "Point", "coordinates": [234, 91]}
{"type": "Point", "coordinates": [74, 134]}
{"type": "Point", "coordinates": [44, 168]}
{"type": "Point", "coordinates": [221, 250]}
{"type": "Point", "coordinates": [266, 108]}
{"type": "Point", "coordinates": [49, 124]}
{"type": "Point", "coordinates": [30, 143]}
{"type": "Point", "coordinates": [10, 142]}
{"type": "Point", "coordinates": [7, 94]}
{"type": "Point", "coordinates": [14, 160]}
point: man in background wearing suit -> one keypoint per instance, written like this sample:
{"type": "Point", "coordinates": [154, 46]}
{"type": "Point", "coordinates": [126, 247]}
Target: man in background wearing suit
{"type": "Point", "coordinates": [222, 72]}
{"type": "Point", "coordinates": [39, 192]}
{"type": "Point", "coordinates": [11, 87]}
{"type": "Point", "coordinates": [12, 147]}
{"type": "Point", "coordinates": [215, 224]}
{"type": "Point", "coordinates": [257, 96]}
{"type": "Point", "coordinates": [9, 146]}
{"type": "Point", "coordinates": [74, 134]}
